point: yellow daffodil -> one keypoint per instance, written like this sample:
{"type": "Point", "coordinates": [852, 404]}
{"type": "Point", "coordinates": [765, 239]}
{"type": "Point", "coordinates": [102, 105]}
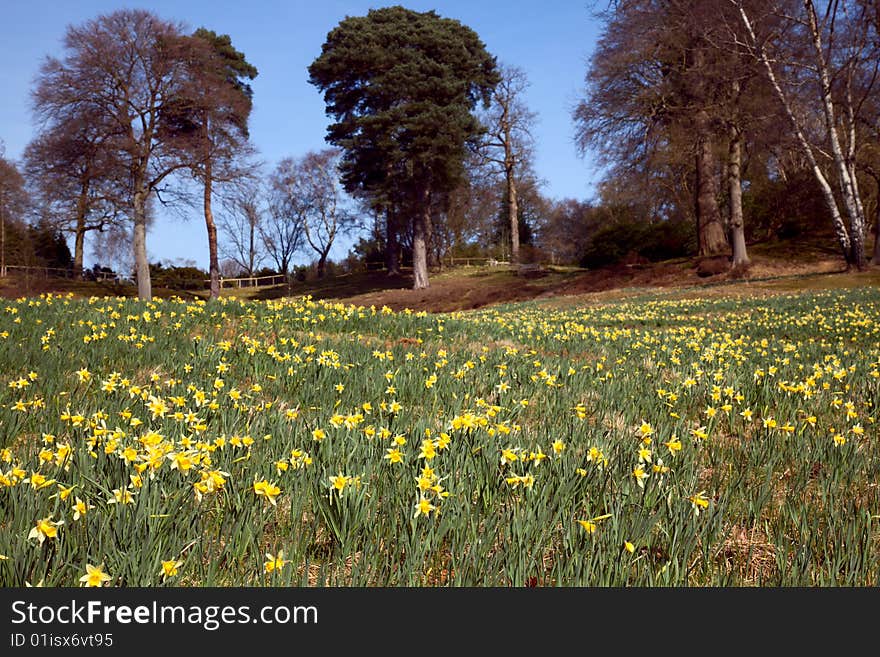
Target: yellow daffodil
{"type": "Point", "coordinates": [423, 507]}
{"type": "Point", "coordinates": [590, 526]}
{"type": "Point", "coordinates": [95, 576]}
{"type": "Point", "coordinates": [80, 508]}
{"type": "Point", "coordinates": [267, 490]}
{"type": "Point", "coordinates": [45, 528]}
{"type": "Point", "coordinates": [169, 568]}
{"type": "Point", "coordinates": [699, 502]}
{"type": "Point", "coordinates": [274, 562]}
{"type": "Point", "coordinates": [339, 482]}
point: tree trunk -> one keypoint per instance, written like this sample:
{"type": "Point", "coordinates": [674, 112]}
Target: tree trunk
{"type": "Point", "coordinates": [322, 264]}
{"type": "Point", "coordinates": [857, 248]}
{"type": "Point", "coordinates": [513, 211]}
{"type": "Point", "coordinates": [859, 224]}
{"type": "Point", "coordinates": [392, 245]}
{"type": "Point", "coordinates": [848, 189]}
{"type": "Point", "coordinates": [433, 258]}
{"type": "Point", "coordinates": [420, 238]}
{"type": "Point", "coordinates": [252, 253]}
{"type": "Point", "coordinates": [840, 229]}
{"type": "Point", "coordinates": [876, 257]}
{"type": "Point", "coordinates": [2, 240]}
{"type": "Point", "coordinates": [80, 231]}
{"type": "Point", "coordinates": [78, 248]}
{"type": "Point", "coordinates": [139, 246]}
{"type": "Point", "coordinates": [734, 181]}
{"type": "Point", "coordinates": [213, 260]}
{"type": "Point", "coordinates": [712, 240]}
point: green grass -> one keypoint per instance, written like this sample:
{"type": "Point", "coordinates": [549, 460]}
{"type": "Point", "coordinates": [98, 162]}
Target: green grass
{"type": "Point", "coordinates": [651, 441]}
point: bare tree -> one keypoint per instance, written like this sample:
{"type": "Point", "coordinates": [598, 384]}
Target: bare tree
{"type": "Point", "coordinates": [565, 230]}
{"type": "Point", "coordinates": [118, 67]}
{"type": "Point", "coordinates": [208, 121]}
{"type": "Point", "coordinates": [14, 204]}
{"type": "Point", "coordinates": [746, 115]}
{"type": "Point", "coordinates": [651, 106]}
{"type": "Point", "coordinates": [471, 208]}
{"type": "Point", "coordinates": [283, 231]}
{"type": "Point", "coordinates": [508, 142]}
{"type": "Point", "coordinates": [828, 67]}
{"type": "Point", "coordinates": [75, 172]}
{"type": "Point", "coordinates": [112, 248]}
{"type": "Point", "coordinates": [696, 82]}
{"type": "Point", "coordinates": [240, 224]}
{"type": "Point", "coordinates": [311, 185]}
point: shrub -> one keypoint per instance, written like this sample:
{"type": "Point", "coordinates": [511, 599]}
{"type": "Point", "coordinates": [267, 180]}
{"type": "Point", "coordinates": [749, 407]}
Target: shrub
{"type": "Point", "coordinates": [622, 239]}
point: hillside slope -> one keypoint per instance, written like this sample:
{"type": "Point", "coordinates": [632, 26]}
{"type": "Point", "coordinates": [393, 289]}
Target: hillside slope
{"type": "Point", "coordinates": [780, 266]}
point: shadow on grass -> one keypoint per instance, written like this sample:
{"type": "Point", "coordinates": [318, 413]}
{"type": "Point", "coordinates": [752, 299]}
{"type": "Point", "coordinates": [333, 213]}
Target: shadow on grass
{"type": "Point", "coordinates": [16, 286]}
{"type": "Point", "coordinates": [346, 285]}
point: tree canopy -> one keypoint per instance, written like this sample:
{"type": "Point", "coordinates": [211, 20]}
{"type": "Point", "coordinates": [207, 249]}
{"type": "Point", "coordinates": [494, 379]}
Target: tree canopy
{"type": "Point", "coordinates": [208, 120]}
{"type": "Point", "coordinates": [401, 87]}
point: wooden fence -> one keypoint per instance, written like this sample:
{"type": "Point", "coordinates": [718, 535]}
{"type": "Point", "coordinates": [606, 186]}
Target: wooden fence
{"type": "Point", "coordinates": [57, 272]}
{"type": "Point", "coordinates": [450, 262]}
{"type": "Point", "coordinates": [251, 281]}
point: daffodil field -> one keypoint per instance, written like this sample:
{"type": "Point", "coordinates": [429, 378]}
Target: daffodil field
{"type": "Point", "coordinates": [656, 441]}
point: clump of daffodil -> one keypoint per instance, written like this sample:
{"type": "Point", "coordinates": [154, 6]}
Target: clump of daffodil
{"type": "Point", "coordinates": [526, 481]}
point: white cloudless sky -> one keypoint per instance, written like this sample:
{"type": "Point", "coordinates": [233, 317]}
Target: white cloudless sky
{"type": "Point", "coordinates": [550, 40]}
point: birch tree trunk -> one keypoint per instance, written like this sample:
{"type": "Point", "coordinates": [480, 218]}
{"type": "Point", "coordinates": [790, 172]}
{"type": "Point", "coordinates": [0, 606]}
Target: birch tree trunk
{"type": "Point", "coordinates": [848, 188]}
{"type": "Point", "coordinates": [840, 228]}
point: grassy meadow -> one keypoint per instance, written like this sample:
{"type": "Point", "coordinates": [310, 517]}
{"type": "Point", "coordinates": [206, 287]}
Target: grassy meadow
{"type": "Point", "coordinates": [651, 441]}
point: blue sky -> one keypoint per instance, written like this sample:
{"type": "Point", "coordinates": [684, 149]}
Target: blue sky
{"type": "Point", "coordinates": [551, 41]}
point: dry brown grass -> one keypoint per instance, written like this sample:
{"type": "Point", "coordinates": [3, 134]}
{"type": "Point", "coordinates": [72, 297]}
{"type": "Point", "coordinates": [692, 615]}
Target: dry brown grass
{"type": "Point", "coordinates": [748, 554]}
{"type": "Point", "coordinates": [775, 268]}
